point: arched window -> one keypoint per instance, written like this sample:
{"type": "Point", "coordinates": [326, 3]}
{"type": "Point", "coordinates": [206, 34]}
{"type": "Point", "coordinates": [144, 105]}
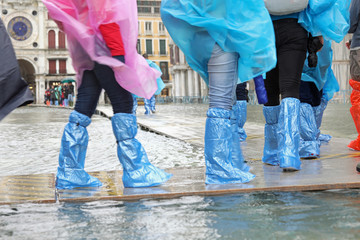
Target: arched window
{"type": "Point", "coordinates": [62, 44]}
{"type": "Point", "coordinates": [51, 39]}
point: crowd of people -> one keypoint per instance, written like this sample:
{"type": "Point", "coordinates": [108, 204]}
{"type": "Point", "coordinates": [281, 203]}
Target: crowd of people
{"type": "Point", "coordinates": [285, 46]}
{"type": "Point", "coordinates": [60, 95]}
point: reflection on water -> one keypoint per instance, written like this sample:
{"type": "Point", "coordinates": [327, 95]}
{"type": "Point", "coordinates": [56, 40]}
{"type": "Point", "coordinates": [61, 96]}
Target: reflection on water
{"type": "Point", "coordinates": [307, 215]}
{"type": "Point", "coordinates": [30, 142]}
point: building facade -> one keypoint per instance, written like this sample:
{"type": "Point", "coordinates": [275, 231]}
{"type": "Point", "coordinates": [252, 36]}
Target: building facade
{"type": "Point", "coordinates": [189, 87]}
{"type": "Point", "coordinates": [153, 39]}
{"type": "Point", "coordinates": [41, 48]}
{"type": "Point", "coordinates": [39, 45]}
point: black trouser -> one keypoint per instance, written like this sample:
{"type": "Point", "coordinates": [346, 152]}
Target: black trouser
{"type": "Point", "coordinates": [241, 92]}
{"type": "Point", "coordinates": [291, 48]}
{"type": "Point", "coordinates": [93, 81]}
{"type": "Point", "coordinates": [310, 94]}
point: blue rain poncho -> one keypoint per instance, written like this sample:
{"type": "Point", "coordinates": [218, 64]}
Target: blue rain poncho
{"type": "Point", "coordinates": [159, 81]}
{"type": "Point", "coordinates": [244, 27]}
{"type": "Point", "coordinates": [329, 18]}
{"type": "Point", "coordinates": [322, 73]}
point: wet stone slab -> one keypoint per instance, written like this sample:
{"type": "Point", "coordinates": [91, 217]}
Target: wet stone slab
{"type": "Point", "coordinates": [322, 174]}
{"type": "Point", "coordinates": [315, 175]}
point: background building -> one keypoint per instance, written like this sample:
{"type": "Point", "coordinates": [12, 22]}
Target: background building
{"type": "Point", "coordinates": [44, 59]}
{"type": "Point", "coordinates": [153, 39]}
{"type": "Point", "coordinates": [189, 87]}
{"type": "Point", "coordinates": [39, 45]}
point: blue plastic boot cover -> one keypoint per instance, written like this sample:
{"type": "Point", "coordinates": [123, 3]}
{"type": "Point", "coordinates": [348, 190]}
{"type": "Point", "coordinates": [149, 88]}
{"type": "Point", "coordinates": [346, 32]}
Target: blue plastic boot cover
{"type": "Point", "coordinates": [260, 89]}
{"type": "Point", "coordinates": [147, 106]}
{"type": "Point", "coordinates": [325, 138]}
{"type": "Point", "coordinates": [152, 104]}
{"type": "Point", "coordinates": [237, 156]}
{"type": "Point", "coordinates": [241, 113]}
{"type": "Point", "coordinates": [319, 112]}
{"type": "Point", "coordinates": [73, 148]}
{"type": "Point", "coordinates": [309, 144]}
{"type": "Point", "coordinates": [288, 134]}
{"type": "Point", "coordinates": [271, 150]}
{"type": "Point", "coordinates": [135, 105]}
{"type": "Point", "coordinates": [137, 170]}
{"type": "Point", "coordinates": [218, 150]}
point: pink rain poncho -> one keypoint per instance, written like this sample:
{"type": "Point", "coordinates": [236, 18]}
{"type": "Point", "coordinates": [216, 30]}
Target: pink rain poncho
{"type": "Point", "coordinates": [81, 20]}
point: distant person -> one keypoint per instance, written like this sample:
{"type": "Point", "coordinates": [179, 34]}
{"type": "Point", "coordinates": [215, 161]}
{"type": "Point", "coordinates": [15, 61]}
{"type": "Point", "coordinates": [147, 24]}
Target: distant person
{"type": "Point", "coordinates": [52, 95]}
{"type": "Point", "coordinates": [65, 93]}
{"type": "Point", "coordinates": [150, 103]}
{"type": "Point", "coordinates": [71, 94]}
{"type": "Point", "coordinates": [102, 43]}
{"type": "Point", "coordinates": [47, 96]}
{"type": "Point", "coordinates": [354, 46]}
{"type": "Point", "coordinates": [14, 91]}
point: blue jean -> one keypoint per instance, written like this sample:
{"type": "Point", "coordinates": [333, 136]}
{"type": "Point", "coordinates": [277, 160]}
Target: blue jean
{"type": "Point", "coordinates": [93, 81]}
{"type": "Point", "coordinates": [223, 76]}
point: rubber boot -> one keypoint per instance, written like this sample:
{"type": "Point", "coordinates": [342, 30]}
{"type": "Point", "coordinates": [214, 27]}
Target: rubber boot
{"type": "Point", "coordinates": [137, 170]}
{"type": "Point", "coordinates": [71, 173]}
{"type": "Point", "coordinates": [237, 156]}
{"type": "Point", "coordinates": [241, 109]}
{"type": "Point", "coordinates": [288, 134]}
{"type": "Point", "coordinates": [355, 112]}
{"type": "Point", "coordinates": [271, 149]}
{"type": "Point", "coordinates": [309, 143]}
{"type": "Point", "coordinates": [220, 168]}
{"type": "Point", "coordinates": [319, 112]}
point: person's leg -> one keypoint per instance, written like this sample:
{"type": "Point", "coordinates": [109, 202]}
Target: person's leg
{"type": "Point", "coordinates": [355, 112]}
{"type": "Point", "coordinates": [75, 138]}
{"type": "Point", "coordinates": [291, 58]}
{"type": "Point", "coordinates": [309, 143]}
{"type": "Point", "coordinates": [271, 112]}
{"type": "Point", "coordinates": [152, 104]}
{"type": "Point", "coordinates": [241, 108]}
{"type": "Point", "coordinates": [223, 157]}
{"type": "Point", "coordinates": [135, 104]}
{"type": "Point", "coordinates": [147, 106]}
{"type": "Point", "coordinates": [138, 171]}
{"type": "Point", "coordinates": [355, 95]}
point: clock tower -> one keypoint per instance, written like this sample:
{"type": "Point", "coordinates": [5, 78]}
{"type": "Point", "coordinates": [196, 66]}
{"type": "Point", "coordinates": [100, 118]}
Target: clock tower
{"type": "Point", "coordinates": [39, 45]}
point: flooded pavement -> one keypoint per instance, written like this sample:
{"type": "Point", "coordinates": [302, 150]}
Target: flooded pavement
{"type": "Point", "coordinates": [30, 141]}
{"type": "Point", "coordinates": [293, 215]}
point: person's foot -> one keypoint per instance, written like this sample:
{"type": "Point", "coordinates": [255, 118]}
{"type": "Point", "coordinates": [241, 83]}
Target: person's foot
{"type": "Point", "coordinates": [358, 167]}
{"type": "Point", "coordinates": [355, 145]}
{"type": "Point", "coordinates": [290, 169]}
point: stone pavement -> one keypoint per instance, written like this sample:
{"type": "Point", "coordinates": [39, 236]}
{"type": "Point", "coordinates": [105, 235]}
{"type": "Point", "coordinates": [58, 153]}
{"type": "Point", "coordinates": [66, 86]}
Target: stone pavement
{"type": "Point", "coordinates": [336, 169]}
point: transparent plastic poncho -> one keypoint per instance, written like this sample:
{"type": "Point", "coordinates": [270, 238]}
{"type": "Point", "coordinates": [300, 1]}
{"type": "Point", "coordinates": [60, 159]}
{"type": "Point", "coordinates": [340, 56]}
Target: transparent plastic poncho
{"type": "Point", "coordinates": [81, 20]}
